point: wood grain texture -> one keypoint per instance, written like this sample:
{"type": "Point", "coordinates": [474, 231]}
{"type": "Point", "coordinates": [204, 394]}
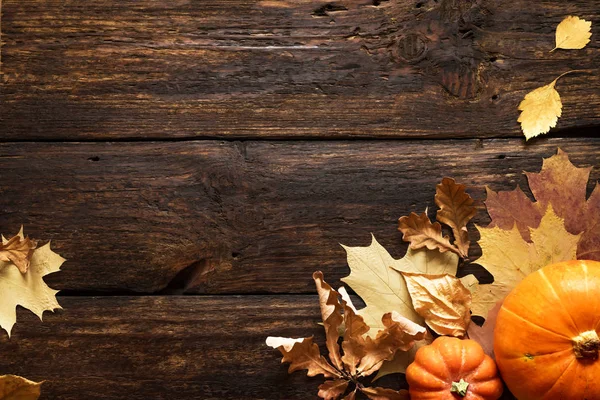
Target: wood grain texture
{"type": "Point", "coordinates": [286, 68]}
{"type": "Point", "coordinates": [241, 217]}
{"type": "Point", "coordinates": [166, 347]}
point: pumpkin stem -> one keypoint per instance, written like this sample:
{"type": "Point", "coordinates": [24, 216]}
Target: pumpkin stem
{"type": "Point", "coordinates": [586, 345]}
{"type": "Point", "coordinates": [460, 387]}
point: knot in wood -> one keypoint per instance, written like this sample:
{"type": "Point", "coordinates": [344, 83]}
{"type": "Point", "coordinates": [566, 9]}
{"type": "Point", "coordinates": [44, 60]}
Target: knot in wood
{"type": "Point", "coordinates": [411, 47]}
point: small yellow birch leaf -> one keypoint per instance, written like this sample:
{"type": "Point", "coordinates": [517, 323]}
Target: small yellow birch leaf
{"type": "Point", "coordinates": [573, 33]}
{"type": "Point", "coordinates": [14, 387]}
{"type": "Point", "coordinates": [507, 256]}
{"type": "Point", "coordinates": [384, 290]}
{"type": "Point", "coordinates": [29, 289]}
{"type": "Point", "coordinates": [540, 110]}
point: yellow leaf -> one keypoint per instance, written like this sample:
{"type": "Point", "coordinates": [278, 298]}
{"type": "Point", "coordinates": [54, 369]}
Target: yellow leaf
{"type": "Point", "coordinates": [442, 300]}
{"type": "Point", "coordinates": [29, 289]}
{"type": "Point", "coordinates": [507, 256]}
{"type": "Point", "coordinates": [14, 387]}
{"type": "Point", "coordinates": [540, 110]}
{"type": "Point", "coordinates": [384, 290]}
{"type": "Point", "coordinates": [573, 33]}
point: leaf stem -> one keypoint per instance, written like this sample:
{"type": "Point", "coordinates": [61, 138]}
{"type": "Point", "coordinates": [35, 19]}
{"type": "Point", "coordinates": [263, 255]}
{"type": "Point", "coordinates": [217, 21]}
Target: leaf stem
{"type": "Point", "coordinates": [568, 72]}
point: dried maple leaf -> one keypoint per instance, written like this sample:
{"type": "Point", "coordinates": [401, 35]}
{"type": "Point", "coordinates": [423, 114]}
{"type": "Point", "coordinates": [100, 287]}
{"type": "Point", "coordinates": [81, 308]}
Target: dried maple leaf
{"type": "Point", "coordinates": [442, 300]}
{"type": "Point", "coordinates": [456, 210]}
{"type": "Point", "coordinates": [562, 185]}
{"type": "Point", "coordinates": [484, 335]}
{"type": "Point", "coordinates": [384, 290]}
{"type": "Point", "coordinates": [17, 250]}
{"type": "Point", "coordinates": [507, 256]}
{"type": "Point", "coordinates": [421, 232]}
{"type": "Point", "coordinates": [29, 289]}
{"type": "Point", "coordinates": [14, 387]}
{"type": "Point", "coordinates": [573, 33]}
{"type": "Point", "coordinates": [362, 354]}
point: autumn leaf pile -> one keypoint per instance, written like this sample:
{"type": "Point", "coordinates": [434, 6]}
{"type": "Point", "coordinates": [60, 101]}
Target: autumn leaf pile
{"type": "Point", "coordinates": [360, 355]}
{"type": "Point", "coordinates": [419, 296]}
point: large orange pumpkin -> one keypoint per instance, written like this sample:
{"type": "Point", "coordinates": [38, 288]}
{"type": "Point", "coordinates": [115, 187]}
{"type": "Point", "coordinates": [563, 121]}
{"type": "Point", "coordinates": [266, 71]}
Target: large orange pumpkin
{"type": "Point", "coordinates": [452, 369]}
{"type": "Point", "coordinates": [546, 338]}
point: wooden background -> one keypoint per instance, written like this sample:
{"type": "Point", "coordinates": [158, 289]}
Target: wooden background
{"type": "Point", "coordinates": [195, 161]}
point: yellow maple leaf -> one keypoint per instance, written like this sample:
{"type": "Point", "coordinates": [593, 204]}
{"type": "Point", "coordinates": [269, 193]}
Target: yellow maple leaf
{"type": "Point", "coordinates": [540, 110]}
{"type": "Point", "coordinates": [573, 33]}
{"type": "Point", "coordinates": [29, 289]}
{"type": "Point", "coordinates": [14, 387]}
{"type": "Point", "coordinates": [507, 256]}
{"type": "Point", "coordinates": [384, 290]}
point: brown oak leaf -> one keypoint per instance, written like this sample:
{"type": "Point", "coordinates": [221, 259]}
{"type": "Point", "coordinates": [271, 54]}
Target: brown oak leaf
{"type": "Point", "coordinates": [362, 354]}
{"type": "Point", "coordinates": [456, 210]}
{"type": "Point", "coordinates": [421, 232]}
{"type": "Point", "coordinates": [18, 250]}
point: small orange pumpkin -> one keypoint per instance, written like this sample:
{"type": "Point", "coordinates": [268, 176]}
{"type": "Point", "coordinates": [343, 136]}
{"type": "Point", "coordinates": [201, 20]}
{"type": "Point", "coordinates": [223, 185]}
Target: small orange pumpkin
{"type": "Point", "coordinates": [546, 338]}
{"type": "Point", "coordinates": [452, 369]}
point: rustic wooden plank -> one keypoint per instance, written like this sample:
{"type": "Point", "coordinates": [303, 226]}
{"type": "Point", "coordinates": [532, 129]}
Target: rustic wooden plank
{"type": "Point", "coordinates": [240, 217]}
{"type": "Point", "coordinates": [286, 68]}
{"type": "Point", "coordinates": [165, 348]}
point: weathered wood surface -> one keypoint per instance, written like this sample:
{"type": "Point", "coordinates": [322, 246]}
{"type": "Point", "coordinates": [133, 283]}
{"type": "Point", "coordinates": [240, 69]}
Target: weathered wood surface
{"type": "Point", "coordinates": [249, 217]}
{"type": "Point", "coordinates": [286, 68]}
{"type": "Point", "coordinates": [165, 347]}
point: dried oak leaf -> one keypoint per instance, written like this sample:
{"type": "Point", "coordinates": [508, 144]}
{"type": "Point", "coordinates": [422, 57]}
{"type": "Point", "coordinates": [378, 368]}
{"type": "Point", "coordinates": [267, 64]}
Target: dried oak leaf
{"type": "Point", "coordinates": [484, 335]}
{"type": "Point", "coordinates": [17, 250]}
{"type": "Point", "coordinates": [421, 232]}
{"type": "Point", "coordinates": [456, 210]}
{"type": "Point", "coordinates": [561, 185]}
{"type": "Point", "coordinates": [573, 33]}
{"type": "Point", "coordinates": [381, 288]}
{"type": "Point", "coordinates": [507, 256]}
{"type": "Point", "coordinates": [442, 300]}
{"type": "Point", "coordinates": [14, 387]}
{"type": "Point", "coordinates": [362, 354]}
{"type": "Point", "coordinates": [29, 289]}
